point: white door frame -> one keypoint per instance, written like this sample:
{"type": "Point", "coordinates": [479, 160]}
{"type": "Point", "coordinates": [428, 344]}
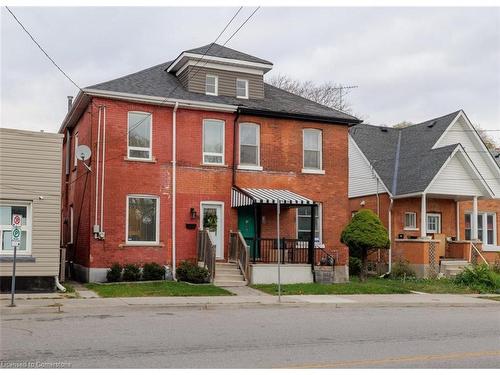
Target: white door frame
{"type": "Point", "coordinates": [220, 249]}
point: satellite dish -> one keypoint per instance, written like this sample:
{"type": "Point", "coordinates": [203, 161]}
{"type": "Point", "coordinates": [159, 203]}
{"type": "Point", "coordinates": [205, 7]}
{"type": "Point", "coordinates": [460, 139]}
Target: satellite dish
{"type": "Point", "coordinates": [83, 152]}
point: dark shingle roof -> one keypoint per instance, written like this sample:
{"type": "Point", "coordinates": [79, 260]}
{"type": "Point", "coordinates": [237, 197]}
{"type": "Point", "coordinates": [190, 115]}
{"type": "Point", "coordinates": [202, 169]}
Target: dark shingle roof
{"type": "Point", "coordinates": [220, 51]}
{"type": "Point", "coordinates": [417, 163]}
{"type": "Point", "coordinates": [155, 81]}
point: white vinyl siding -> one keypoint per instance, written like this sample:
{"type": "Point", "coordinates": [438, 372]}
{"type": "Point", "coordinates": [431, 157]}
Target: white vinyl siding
{"type": "Point", "coordinates": [213, 142]}
{"type": "Point", "coordinates": [460, 132]}
{"type": "Point", "coordinates": [456, 178]}
{"type": "Point", "coordinates": [211, 84]}
{"type": "Point", "coordinates": [242, 88]}
{"type": "Point", "coordinates": [362, 179]}
{"type": "Point", "coordinates": [249, 144]}
{"type": "Point", "coordinates": [139, 135]}
{"type": "Point", "coordinates": [34, 172]}
{"type": "Point", "coordinates": [410, 221]}
{"type": "Point", "coordinates": [143, 220]}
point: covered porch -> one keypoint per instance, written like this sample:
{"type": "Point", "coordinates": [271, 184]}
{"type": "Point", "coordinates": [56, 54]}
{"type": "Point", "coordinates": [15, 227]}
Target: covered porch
{"type": "Point", "coordinates": [432, 238]}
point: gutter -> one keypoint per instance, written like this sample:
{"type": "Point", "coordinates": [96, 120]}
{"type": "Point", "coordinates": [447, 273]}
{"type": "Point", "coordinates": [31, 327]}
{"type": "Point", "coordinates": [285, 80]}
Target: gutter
{"type": "Point", "coordinates": [299, 116]}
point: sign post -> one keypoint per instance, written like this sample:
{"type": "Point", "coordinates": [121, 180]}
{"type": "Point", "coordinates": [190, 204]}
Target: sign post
{"type": "Point", "coordinates": [15, 242]}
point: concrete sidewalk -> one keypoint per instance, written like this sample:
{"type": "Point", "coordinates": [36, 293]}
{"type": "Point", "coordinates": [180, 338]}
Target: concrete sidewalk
{"type": "Point", "coordinates": [27, 306]}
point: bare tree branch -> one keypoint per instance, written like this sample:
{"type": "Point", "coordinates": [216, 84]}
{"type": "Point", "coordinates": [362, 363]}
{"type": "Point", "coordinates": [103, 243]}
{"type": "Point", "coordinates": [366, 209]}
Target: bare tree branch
{"type": "Point", "coordinates": [328, 93]}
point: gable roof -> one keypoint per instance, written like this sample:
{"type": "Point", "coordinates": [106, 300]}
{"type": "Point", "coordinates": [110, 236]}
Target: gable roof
{"type": "Point", "coordinates": [227, 53]}
{"type": "Point", "coordinates": [156, 82]}
{"type": "Point", "coordinates": [411, 168]}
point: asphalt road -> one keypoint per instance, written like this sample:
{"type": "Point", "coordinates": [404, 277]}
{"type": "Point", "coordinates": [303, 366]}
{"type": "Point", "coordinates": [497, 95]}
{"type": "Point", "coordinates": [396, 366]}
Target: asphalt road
{"type": "Point", "coordinates": [299, 337]}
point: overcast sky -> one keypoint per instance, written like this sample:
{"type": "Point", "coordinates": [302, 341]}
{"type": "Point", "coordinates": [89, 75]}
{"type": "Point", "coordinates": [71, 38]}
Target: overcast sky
{"type": "Point", "coordinates": [410, 64]}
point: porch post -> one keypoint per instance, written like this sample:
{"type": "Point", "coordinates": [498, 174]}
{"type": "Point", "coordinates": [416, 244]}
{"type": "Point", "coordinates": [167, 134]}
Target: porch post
{"type": "Point", "coordinates": [457, 203]}
{"type": "Point", "coordinates": [423, 216]}
{"type": "Point", "coordinates": [255, 232]}
{"type": "Point", "coordinates": [310, 252]}
{"type": "Point", "coordinates": [474, 228]}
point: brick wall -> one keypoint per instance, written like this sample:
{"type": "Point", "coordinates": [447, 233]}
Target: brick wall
{"type": "Point", "coordinates": [281, 157]}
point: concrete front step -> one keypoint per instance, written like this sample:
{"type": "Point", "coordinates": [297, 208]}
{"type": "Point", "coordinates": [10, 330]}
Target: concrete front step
{"type": "Point", "coordinates": [228, 277]}
{"type": "Point", "coordinates": [229, 283]}
{"type": "Point", "coordinates": [227, 271]}
{"type": "Point", "coordinates": [452, 267]}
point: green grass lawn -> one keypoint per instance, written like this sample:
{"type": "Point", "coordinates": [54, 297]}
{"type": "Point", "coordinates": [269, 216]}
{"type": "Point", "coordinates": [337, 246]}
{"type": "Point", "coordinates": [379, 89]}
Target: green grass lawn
{"type": "Point", "coordinates": [371, 286]}
{"type": "Point", "coordinates": [156, 289]}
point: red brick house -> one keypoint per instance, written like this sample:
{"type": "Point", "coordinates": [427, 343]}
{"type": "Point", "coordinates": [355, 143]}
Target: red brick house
{"type": "Point", "coordinates": [201, 142]}
{"type": "Point", "coordinates": [435, 186]}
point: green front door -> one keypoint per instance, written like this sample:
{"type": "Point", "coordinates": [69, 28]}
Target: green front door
{"type": "Point", "coordinates": [246, 225]}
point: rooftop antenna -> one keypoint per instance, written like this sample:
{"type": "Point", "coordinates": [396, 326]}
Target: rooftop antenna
{"type": "Point", "coordinates": [341, 95]}
{"type": "Point", "coordinates": [83, 153]}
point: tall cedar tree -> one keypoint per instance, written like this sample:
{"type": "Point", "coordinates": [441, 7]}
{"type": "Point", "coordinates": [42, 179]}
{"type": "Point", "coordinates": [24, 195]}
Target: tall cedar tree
{"type": "Point", "coordinates": [365, 232]}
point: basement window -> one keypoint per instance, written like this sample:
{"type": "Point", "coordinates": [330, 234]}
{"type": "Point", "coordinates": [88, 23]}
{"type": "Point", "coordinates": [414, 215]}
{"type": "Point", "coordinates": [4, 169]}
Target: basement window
{"type": "Point", "coordinates": [143, 220]}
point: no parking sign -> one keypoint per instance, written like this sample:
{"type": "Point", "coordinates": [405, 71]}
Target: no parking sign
{"type": "Point", "coordinates": [16, 230]}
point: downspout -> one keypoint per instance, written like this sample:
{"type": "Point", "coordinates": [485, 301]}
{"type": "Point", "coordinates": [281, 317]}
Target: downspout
{"type": "Point", "coordinates": [235, 127]}
{"type": "Point", "coordinates": [58, 284]}
{"type": "Point", "coordinates": [390, 236]}
{"type": "Point", "coordinates": [101, 234]}
{"type": "Point", "coordinates": [174, 183]}
{"type": "Point", "coordinates": [95, 230]}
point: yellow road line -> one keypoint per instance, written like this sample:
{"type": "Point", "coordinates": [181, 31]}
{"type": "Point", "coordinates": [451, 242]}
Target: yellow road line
{"type": "Point", "coordinates": [420, 358]}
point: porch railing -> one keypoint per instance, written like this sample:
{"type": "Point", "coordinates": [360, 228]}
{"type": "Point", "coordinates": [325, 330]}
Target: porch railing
{"type": "Point", "coordinates": [206, 251]}
{"type": "Point", "coordinates": [293, 251]}
{"type": "Point", "coordinates": [239, 252]}
{"type": "Point", "coordinates": [474, 253]}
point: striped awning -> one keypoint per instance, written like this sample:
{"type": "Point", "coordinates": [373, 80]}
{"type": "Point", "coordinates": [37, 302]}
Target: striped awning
{"type": "Point", "coordinates": [246, 197]}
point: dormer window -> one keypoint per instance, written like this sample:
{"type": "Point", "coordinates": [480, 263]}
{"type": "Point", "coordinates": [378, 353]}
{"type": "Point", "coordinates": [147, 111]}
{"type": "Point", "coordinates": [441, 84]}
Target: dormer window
{"type": "Point", "coordinates": [211, 84]}
{"type": "Point", "coordinates": [242, 88]}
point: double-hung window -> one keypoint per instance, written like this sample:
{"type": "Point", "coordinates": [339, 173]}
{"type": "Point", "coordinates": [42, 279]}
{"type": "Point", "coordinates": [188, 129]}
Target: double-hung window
{"type": "Point", "coordinates": [410, 221]}
{"type": "Point", "coordinates": [139, 135]}
{"type": "Point", "coordinates": [249, 145]}
{"type": "Point", "coordinates": [486, 227]}
{"type": "Point", "coordinates": [7, 209]}
{"type": "Point", "coordinates": [75, 141]}
{"type": "Point", "coordinates": [211, 84]}
{"type": "Point", "coordinates": [312, 148]}
{"type": "Point", "coordinates": [213, 142]}
{"type": "Point", "coordinates": [304, 224]}
{"type": "Point", "coordinates": [433, 223]}
{"type": "Point", "coordinates": [143, 213]}
{"type": "Point", "coordinates": [242, 88]}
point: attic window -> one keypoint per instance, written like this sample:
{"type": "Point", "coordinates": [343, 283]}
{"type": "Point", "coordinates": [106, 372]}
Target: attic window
{"type": "Point", "coordinates": [211, 85]}
{"type": "Point", "coordinates": [242, 88]}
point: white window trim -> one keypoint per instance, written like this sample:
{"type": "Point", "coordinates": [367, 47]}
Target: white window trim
{"type": "Point", "coordinates": [75, 142]}
{"type": "Point", "coordinates": [319, 209]}
{"type": "Point", "coordinates": [246, 88]}
{"type": "Point", "coordinates": [486, 246]}
{"type": "Point", "coordinates": [257, 166]}
{"type": "Point", "coordinates": [216, 85]}
{"type": "Point", "coordinates": [309, 169]}
{"type": "Point", "coordinates": [143, 243]}
{"type": "Point", "coordinates": [203, 153]}
{"type": "Point", "coordinates": [433, 214]}
{"type": "Point", "coordinates": [27, 228]}
{"type": "Point", "coordinates": [414, 214]}
{"type": "Point", "coordinates": [135, 148]}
